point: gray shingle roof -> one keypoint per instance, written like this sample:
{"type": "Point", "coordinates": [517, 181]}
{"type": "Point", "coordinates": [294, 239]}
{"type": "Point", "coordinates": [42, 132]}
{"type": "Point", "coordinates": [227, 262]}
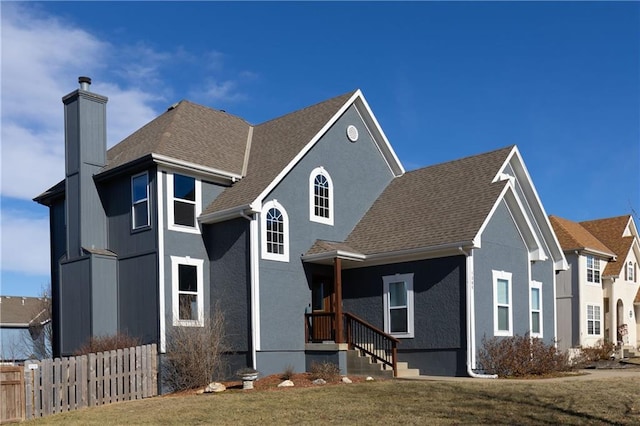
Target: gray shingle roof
{"type": "Point", "coordinates": [432, 206]}
{"type": "Point", "coordinates": [188, 132]}
{"type": "Point", "coordinates": [274, 144]}
{"type": "Point", "coordinates": [20, 311]}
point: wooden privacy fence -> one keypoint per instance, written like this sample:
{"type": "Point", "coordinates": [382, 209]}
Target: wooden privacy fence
{"type": "Point", "coordinates": [11, 394]}
{"type": "Point", "coordinates": [66, 384]}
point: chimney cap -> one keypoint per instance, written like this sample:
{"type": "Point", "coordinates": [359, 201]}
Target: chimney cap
{"type": "Point", "coordinates": [84, 80]}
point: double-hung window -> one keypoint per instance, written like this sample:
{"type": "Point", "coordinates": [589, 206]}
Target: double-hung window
{"type": "Point", "coordinates": [398, 305]}
{"type": "Point", "coordinates": [502, 309]}
{"type": "Point", "coordinates": [275, 232]}
{"type": "Point", "coordinates": [184, 202]}
{"type": "Point", "coordinates": [593, 320]}
{"type": "Point", "coordinates": [535, 303]}
{"type": "Point", "coordinates": [320, 196]}
{"type": "Point", "coordinates": [187, 280]}
{"type": "Point", "coordinates": [593, 270]}
{"type": "Point", "coordinates": [631, 271]}
{"type": "Point", "coordinates": [140, 201]}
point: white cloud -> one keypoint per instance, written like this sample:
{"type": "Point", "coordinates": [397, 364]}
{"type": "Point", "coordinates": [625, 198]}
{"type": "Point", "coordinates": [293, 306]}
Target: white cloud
{"type": "Point", "coordinates": [25, 243]}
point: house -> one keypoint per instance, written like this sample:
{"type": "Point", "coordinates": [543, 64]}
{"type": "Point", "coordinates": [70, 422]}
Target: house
{"type": "Point", "coordinates": [599, 295]}
{"type": "Point", "coordinates": [23, 322]}
{"type": "Point", "coordinates": [305, 231]}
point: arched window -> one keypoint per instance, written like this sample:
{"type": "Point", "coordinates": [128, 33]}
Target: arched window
{"type": "Point", "coordinates": [320, 196]}
{"type": "Point", "coordinates": [275, 232]}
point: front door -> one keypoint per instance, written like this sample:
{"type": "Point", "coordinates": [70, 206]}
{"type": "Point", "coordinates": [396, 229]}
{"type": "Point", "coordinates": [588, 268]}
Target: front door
{"type": "Point", "coordinates": [322, 294]}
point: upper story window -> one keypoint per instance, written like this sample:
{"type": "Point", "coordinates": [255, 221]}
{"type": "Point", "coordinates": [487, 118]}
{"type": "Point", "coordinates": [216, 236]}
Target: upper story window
{"type": "Point", "coordinates": [275, 232]}
{"type": "Point", "coordinates": [502, 308]}
{"type": "Point", "coordinates": [631, 271]}
{"type": "Point", "coordinates": [320, 196]}
{"type": "Point", "coordinates": [188, 297]}
{"type": "Point", "coordinates": [140, 201]}
{"type": "Point", "coordinates": [184, 203]}
{"type": "Point", "coordinates": [593, 269]}
{"type": "Point", "coordinates": [535, 303]}
{"type": "Point", "coordinates": [398, 305]}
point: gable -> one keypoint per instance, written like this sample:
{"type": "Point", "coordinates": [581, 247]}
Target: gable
{"type": "Point", "coordinates": [618, 233]}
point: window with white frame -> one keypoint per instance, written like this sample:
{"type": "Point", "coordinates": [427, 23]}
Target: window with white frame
{"type": "Point", "coordinates": [187, 283]}
{"type": "Point", "coordinates": [140, 201]}
{"type": "Point", "coordinates": [593, 320]}
{"type": "Point", "coordinates": [502, 309]}
{"type": "Point", "coordinates": [631, 271]}
{"type": "Point", "coordinates": [535, 304]}
{"type": "Point", "coordinates": [593, 269]}
{"type": "Point", "coordinates": [320, 196]}
{"type": "Point", "coordinates": [398, 305]}
{"type": "Point", "coordinates": [275, 232]}
{"type": "Point", "coordinates": [184, 202]}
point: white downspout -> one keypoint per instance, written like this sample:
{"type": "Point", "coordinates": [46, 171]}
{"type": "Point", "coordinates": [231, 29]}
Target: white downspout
{"type": "Point", "coordinates": [255, 306]}
{"type": "Point", "coordinates": [471, 324]}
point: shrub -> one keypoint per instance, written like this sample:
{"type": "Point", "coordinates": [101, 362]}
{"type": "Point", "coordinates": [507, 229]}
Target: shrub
{"type": "Point", "coordinates": [602, 350]}
{"type": "Point", "coordinates": [288, 372]}
{"type": "Point", "coordinates": [195, 354]}
{"type": "Point", "coordinates": [519, 356]}
{"type": "Point", "coordinates": [107, 343]}
{"type": "Point", "coordinates": [324, 370]}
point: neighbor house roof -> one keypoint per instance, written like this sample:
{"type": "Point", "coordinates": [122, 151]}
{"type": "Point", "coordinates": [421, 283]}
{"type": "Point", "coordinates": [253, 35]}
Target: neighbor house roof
{"type": "Point", "coordinates": [16, 311]}
{"type": "Point", "coordinates": [610, 231]}
{"type": "Point", "coordinates": [429, 207]}
{"type": "Point", "coordinates": [274, 145]}
{"type": "Point", "coordinates": [574, 236]}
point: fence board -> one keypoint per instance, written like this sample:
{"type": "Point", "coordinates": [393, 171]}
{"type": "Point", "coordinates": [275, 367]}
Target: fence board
{"type": "Point", "coordinates": [12, 394]}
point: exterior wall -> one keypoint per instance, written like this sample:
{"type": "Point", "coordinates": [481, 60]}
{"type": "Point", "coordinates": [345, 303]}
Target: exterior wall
{"type": "Point", "coordinates": [439, 343]}
{"type": "Point", "coordinates": [544, 272]}
{"type": "Point", "coordinates": [568, 305]}
{"type": "Point", "coordinates": [502, 250]}
{"type": "Point", "coordinates": [625, 290]}
{"type": "Point", "coordinates": [58, 246]}
{"type": "Point", "coordinates": [228, 247]}
{"type": "Point", "coordinates": [591, 294]}
{"type": "Point", "coordinates": [75, 305]}
{"type": "Point", "coordinates": [104, 295]}
{"type": "Point", "coordinates": [359, 174]}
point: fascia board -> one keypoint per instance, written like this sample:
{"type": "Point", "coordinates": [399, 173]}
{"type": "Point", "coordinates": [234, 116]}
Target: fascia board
{"type": "Point", "coordinates": [356, 96]}
{"type": "Point", "coordinates": [223, 215]}
{"type": "Point", "coordinates": [524, 224]}
{"type": "Point", "coordinates": [358, 257]}
{"type": "Point", "coordinates": [208, 172]}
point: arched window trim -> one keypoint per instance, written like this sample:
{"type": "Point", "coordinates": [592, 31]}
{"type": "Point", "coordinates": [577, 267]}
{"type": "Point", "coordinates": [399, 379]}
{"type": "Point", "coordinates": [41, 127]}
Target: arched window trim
{"type": "Point", "coordinates": [284, 256]}
{"type": "Point", "coordinates": [312, 205]}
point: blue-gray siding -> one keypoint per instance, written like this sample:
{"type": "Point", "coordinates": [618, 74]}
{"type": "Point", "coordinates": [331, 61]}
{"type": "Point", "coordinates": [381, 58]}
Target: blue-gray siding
{"type": "Point", "coordinates": [568, 305]}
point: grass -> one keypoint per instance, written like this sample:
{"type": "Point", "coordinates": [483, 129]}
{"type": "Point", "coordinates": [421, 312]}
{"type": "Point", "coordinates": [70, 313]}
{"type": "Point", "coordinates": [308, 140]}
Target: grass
{"type": "Point", "coordinates": [603, 401]}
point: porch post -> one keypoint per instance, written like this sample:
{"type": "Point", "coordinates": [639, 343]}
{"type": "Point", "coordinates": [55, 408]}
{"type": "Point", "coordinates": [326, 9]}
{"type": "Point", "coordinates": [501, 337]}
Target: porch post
{"type": "Point", "coordinates": [337, 276]}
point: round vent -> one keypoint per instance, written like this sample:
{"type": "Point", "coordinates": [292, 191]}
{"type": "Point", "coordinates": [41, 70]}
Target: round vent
{"type": "Point", "coordinates": [352, 133]}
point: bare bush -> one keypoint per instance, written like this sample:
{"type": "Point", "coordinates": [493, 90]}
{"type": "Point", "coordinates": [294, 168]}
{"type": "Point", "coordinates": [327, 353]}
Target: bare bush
{"type": "Point", "coordinates": [519, 356]}
{"type": "Point", "coordinates": [195, 354]}
{"type": "Point", "coordinates": [288, 372]}
{"type": "Point", "coordinates": [325, 370]}
{"type": "Point", "coordinates": [602, 350]}
{"type": "Point", "coordinates": [107, 343]}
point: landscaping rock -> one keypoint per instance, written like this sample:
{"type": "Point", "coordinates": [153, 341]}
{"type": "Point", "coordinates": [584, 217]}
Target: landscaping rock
{"type": "Point", "coordinates": [215, 387]}
{"type": "Point", "coordinates": [319, 382]}
{"type": "Point", "coordinates": [286, 384]}
{"type": "Point", "coordinates": [369, 379]}
{"type": "Point", "coordinates": [345, 379]}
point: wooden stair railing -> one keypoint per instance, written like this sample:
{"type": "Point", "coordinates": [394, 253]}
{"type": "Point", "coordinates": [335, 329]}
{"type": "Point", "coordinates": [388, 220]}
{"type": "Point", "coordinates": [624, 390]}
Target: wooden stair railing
{"type": "Point", "coordinates": [371, 340]}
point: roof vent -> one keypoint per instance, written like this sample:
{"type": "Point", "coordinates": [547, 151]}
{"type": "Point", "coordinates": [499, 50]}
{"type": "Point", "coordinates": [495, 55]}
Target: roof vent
{"type": "Point", "coordinates": [174, 106]}
{"type": "Point", "coordinates": [85, 82]}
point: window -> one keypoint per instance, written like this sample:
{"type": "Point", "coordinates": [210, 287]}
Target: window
{"type": "Point", "coordinates": [140, 201]}
{"type": "Point", "coordinates": [631, 271]}
{"type": "Point", "coordinates": [398, 305]}
{"type": "Point", "coordinates": [275, 232]}
{"type": "Point", "coordinates": [320, 196]}
{"type": "Point", "coordinates": [502, 313]}
{"type": "Point", "coordinates": [593, 269]}
{"type": "Point", "coordinates": [184, 199]}
{"type": "Point", "coordinates": [187, 291]}
{"type": "Point", "coordinates": [593, 320]}
{"type": "Point", "coordinates": [535, 303]}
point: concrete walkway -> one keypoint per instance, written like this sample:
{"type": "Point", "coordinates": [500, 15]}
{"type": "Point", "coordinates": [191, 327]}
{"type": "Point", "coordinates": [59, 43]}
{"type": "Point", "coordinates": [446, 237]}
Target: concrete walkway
{"type": "Point", "coordinates": [591, 374]}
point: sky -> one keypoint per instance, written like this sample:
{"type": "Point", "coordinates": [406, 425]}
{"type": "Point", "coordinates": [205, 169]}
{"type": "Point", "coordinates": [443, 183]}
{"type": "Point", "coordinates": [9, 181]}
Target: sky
{"type": "Point", "coordinates": [561, 80]}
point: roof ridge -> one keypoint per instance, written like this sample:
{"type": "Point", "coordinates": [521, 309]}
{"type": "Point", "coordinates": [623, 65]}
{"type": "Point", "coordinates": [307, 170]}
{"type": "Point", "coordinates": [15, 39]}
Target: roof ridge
{"type": "Point", "coordinates": [457, 160]}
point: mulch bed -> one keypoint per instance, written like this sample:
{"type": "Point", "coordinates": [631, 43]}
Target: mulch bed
{"type": "Point", "coordinates": [300, 380]}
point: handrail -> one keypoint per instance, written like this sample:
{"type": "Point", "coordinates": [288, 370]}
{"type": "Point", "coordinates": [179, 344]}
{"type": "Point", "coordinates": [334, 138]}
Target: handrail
{"type": "Point", "coordinates": [369, 339]}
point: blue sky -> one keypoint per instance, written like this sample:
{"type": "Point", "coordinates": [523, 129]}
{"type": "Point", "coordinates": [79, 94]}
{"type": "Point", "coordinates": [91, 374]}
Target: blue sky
{"type": "Point", "coordinates": [445, 80]}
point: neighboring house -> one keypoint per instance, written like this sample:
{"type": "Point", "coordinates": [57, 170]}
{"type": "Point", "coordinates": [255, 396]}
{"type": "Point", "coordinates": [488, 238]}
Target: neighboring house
{"type": "Point", "coordinates": [310, 212]}
{"type": "Point", "coordinates": [22, 328]}
{"type": "Point", "coordinates": [598, 296]}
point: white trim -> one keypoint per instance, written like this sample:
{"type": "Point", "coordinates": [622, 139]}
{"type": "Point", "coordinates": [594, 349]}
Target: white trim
{"type": "Point", "coordinates": [503, 276]}
{"type": "Point", "coordinates": [195, 168]}
{"type": "Point", "coordinates": [595, 260]}
{"type": "Point", "coordinates": [147, 199]}
{"type": "Point", "coordinates": [198, 206]}
{"type": "Point", "coordinates": [408, 280]}
{"type": "Point", "coordinates": [536, 285]}
{"type": "Point", "coordinates": [284, 257]}
{"type": "Point", "coordinates": [312, 205]}
{"type": "Point", "coordinates": [161, 284]}
{"type": "Point", "coordinates": [176, 261]}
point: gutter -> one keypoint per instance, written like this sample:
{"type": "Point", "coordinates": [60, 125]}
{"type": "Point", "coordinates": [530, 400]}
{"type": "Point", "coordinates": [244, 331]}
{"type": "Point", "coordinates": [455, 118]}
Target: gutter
{"type": "Point", "coordinates": [254, 285]}
{"type": "Point", "coordinates": [471, 326]}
